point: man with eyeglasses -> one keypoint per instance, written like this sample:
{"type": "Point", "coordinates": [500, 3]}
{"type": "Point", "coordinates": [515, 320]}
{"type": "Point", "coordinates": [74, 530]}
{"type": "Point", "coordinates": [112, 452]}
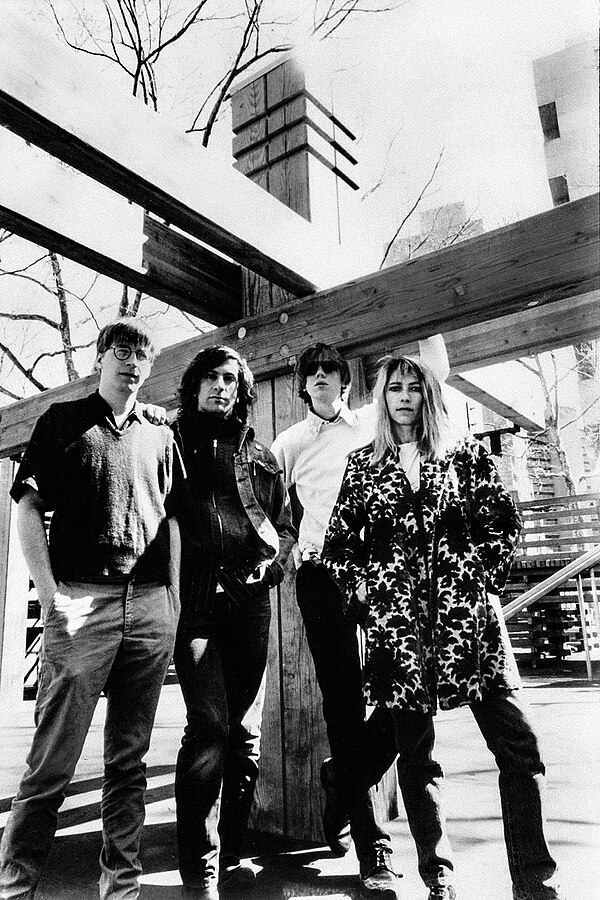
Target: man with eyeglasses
{"type": "Point", "coordinates": [107, 581]}
{"type": "Point", "coordinates": [313, 455]}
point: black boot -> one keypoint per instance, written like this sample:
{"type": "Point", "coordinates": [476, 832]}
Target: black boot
{"type": "Point", "coordinates": [239, 781]}
{"type": "Point", "coordinates": [336, 822]}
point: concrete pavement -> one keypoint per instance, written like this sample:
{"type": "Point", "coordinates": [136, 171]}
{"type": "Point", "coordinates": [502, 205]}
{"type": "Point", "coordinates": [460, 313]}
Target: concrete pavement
{"type": "Point", "coordinates": [565, 708]}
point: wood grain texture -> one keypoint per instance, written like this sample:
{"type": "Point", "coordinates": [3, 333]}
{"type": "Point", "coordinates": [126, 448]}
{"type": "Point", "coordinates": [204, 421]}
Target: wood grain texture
{"type": "Point", "coordinates": [193, 270]}
{"type": "Point", "coordinates": [305, 741]}
{"type": "Point", "coordinates": [6, 510]}
{"type": "Point", "coordinates": [542, 260]}
{"type": "Point", "coordinates": [268, 813]}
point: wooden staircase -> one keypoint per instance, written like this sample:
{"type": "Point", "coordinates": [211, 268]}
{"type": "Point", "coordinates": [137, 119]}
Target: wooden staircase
{"type": "Point", "coordinates": [556, 531]}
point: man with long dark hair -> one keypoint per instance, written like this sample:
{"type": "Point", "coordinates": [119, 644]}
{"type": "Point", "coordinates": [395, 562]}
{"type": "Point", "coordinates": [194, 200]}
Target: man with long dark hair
{"type": "Point", "coordinates": [236, 537]}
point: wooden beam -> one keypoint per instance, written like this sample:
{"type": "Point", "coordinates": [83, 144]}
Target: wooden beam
{"type": "Point", "coordinates": [514, 393]}
{"type": "Point", "coordinates": [56, 98]}
{"type": "Point", "coordinates": [47, 203]}
{"type": "Point", "coordinates": [559, 324]}
{"type": "Point", "coordinates": [532, 264]}
{"type": "Point", "coordinates": [211, 281]}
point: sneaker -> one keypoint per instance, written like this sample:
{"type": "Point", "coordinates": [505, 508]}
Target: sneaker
{"type": "Point", "coordinates": [232, 871]}
{"type": "Point", "coordinates": [336, 824]}
{"type": "Point", "coordinates": [377, 878]}
{"type": "Point", "coordinates": [442, 892]}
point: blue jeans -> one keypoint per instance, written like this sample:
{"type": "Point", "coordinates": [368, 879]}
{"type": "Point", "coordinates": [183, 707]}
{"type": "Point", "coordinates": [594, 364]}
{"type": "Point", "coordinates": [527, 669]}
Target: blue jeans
{"type": "Point", "coordinates": [502, 720]}
{"type": "Point", "coordinates": [112, 637]}
{"type": "Point", "coordinates": [362, 749]}
{"type": "Point", "coordinates": [220, 657]}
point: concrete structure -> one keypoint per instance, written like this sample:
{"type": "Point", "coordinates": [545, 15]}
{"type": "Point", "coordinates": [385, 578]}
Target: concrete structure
{"type": "Point", "coordinates": [566, 86]}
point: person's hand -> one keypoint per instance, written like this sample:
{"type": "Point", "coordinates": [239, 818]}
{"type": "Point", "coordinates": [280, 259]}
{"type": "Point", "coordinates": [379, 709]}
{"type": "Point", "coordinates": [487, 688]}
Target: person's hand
{"type": "Point", "coordinates": [46, 597]}
{"type": "Point", "coordinates": [156, 415]}
{"type": "Point", "coordinates": [257, 576]}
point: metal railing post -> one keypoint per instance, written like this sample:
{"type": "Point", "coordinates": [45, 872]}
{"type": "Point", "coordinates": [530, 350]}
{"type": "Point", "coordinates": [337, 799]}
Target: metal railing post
{"type": "Point", "coordinates": [586, 644]}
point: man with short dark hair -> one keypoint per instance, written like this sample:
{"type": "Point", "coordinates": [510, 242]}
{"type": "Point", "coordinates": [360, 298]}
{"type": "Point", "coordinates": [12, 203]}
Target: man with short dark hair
{"type": "Point", "coordinates": [107, 581]}
{"type": "Point", "coordinates": [236, 537]}
{"type": "Point", "coordinates": [313, 455]}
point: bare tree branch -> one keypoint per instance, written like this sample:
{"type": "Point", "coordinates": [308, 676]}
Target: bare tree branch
{"type": "Point", "coordinates": [10, 394]}
{"type": "Point", "coordinates": [65, 324]}
{"type": "Point", "coordinates": [54, 353]}
{"type": "Point", "coordinates": [18, 365]}
{"type": "Point", "coordinates": [412, 209]}
{"type": "Point", "coordinates": [30, 317]}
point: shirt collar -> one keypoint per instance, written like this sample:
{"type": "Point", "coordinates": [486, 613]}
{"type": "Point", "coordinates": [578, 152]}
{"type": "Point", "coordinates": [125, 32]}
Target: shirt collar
{"type": "Point", "coordinates": [105, 410]}
{"type": "Point", "coordinates": [315, 422]}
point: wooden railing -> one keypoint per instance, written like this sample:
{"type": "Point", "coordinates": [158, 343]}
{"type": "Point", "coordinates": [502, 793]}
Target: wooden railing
{"type": "Point", "coordinates": [557, 529]}
{"type": "Point", "coordinates": [546, 584]}
{"type": "Point", "coordinates": [574, 569]}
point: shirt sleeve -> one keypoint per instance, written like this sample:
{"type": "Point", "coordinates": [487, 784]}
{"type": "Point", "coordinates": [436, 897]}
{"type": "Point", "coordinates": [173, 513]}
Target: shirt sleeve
{"type": "Point", "coordinates": [38, 467]}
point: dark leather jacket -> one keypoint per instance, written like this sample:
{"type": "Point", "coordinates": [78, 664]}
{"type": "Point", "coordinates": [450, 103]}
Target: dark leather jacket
{"type": "Point", "coordinates": [264, 498]}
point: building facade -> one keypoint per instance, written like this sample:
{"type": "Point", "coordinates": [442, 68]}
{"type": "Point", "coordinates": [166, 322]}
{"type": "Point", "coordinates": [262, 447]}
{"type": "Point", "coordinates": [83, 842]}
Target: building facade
{"type": "Point", "coordinates": [566, 86]}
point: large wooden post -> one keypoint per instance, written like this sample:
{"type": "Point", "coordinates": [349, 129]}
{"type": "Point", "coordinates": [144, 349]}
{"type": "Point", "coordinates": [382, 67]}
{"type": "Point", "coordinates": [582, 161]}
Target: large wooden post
{"type": "Point", "coordinates": [291, 143]}
{"type": "Point", "coordinates": [14, 586]}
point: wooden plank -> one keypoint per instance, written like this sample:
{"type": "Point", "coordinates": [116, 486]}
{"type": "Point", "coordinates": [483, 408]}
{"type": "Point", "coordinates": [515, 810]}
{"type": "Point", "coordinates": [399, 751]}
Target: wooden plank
{"type": "Point", "coordinates": [47, 203]}
{"type": "Point", "coordinates": [268, 811]}
{"type": "Point", "coordinates": [558, 541]}
{"type": "Point", "coordinates": [560, 324]}
{"type": "Point", "coordinates": [569, 321]}
{"type": "Point", "coordinates": [15, 617]}
{"type": "Point", "coordinates": [561, 528]}
{"type": "Point", "coordinates": [58, 100]}
{"type": "Point", "coordinates": [513, 392]}
{"type": "Point", "coordinates": [550, 503]}
{"type": "Point", "coordinates": [575, 513]}
{"type": "Point", "coordinates": [193, 270]}
{"type": "Point", "coordinates": [539, 260]}
{"type": "Point", "coordinates": [305, 741]}
{"type": "Point", "coordinates": [6, 510]}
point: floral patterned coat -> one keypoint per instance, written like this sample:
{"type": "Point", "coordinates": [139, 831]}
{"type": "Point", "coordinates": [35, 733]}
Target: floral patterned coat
{"type": "Point", "coordinates": [434, 638]}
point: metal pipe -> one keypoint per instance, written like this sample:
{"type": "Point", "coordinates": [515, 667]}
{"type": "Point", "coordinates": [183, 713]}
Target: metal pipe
{"type": "Point", "coordinates": [571, 570]}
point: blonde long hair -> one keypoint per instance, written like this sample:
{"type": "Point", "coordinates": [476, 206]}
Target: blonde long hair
{"type": "Point", "coordinates": [431, 429]}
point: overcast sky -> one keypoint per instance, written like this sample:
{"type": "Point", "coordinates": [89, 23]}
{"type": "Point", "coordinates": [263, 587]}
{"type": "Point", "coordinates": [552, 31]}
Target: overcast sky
{"type": "Point", "coordinates": [457, 74]}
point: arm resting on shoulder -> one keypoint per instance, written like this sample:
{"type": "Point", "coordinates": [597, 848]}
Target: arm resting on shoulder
{"type": "Point", "coordinates": [432, 351]}
{"type": "Point", "coordinates": [32, 534]}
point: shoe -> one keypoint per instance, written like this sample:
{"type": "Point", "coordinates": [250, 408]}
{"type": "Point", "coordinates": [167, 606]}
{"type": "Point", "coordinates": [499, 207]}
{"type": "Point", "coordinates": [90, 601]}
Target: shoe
{"type": "Point", "coordinates": [377, 878]}
{"type": "Point", "coordinates": [231, 871]}
{"type": "Point", "coordinates": [210, 891]}
{"type": "Point", "coordinates": [442, 892]}
{"type": "Point", "coordinates": [336, 824]}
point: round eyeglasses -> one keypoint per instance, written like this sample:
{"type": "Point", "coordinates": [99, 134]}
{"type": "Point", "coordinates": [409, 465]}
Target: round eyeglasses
{"type": "Point", "coordinates": [122, 353]}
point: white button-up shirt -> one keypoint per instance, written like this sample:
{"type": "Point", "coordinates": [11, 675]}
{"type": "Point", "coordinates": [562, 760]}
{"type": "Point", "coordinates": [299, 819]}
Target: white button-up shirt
{"type": "Point", "coordinates": [313, 455]}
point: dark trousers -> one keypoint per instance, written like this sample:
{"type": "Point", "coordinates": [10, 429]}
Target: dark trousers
{"type": "Point", "coordinates": [362, 750]}
{"type": "Point", "coordinates": [502, 720]}
{"type": "Point", "coordinates": [220, 657]}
